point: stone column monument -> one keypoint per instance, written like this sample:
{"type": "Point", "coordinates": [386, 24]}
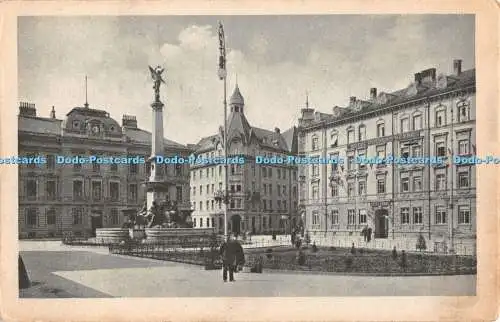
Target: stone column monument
{"type": "Point", "coordinates": [156, 187]}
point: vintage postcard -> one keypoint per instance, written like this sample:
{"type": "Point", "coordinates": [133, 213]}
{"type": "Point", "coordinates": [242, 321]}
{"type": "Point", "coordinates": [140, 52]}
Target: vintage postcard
{"type": "Point", "coordinates": [249, 160]}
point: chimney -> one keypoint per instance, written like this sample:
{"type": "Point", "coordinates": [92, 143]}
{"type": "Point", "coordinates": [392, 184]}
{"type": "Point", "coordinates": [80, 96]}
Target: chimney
{"type": "Point", "coordinates": [373, 93]}
{"type": "Point", "coordinates": [352, 100]}
{"type": "Point", "coordinates": [129, 121]}
{"type": "Point", "coordinates": [27, 109]}
{"type": "Point", "coordinates": [457, 67]}
{"type": "Point", "coordinates": [428, 75]}
{"type": "Point", "coordinates": [53, 113]}
{"type": "Point", "coordinates": [418, 78]}
{"type": "Point", "coordinates": [277, 130]}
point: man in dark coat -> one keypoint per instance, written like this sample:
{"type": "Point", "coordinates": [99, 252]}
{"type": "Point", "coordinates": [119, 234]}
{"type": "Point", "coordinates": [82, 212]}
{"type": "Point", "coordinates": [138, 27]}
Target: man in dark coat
{"type": "Point", "coordinates": [232, 256]}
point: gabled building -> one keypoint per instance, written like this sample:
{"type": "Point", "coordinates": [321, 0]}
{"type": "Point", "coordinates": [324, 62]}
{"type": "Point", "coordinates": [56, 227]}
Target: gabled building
{"type": "Point", "coordinates": [433, 117]}
{"type": "Point", "coordinates": [263, 197]}
{"type": "Point", "coordinates": [56, 198]}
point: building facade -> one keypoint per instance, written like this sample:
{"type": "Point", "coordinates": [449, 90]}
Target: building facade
{"type": "Point", "coordinates": [263, 197]}
{"type": "Point", "coordinates": [56, 198]}
{"type": "Point", "coordinates": [401, 203]}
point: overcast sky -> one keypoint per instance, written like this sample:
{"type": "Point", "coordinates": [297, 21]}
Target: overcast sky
{"type": "Point", "coordinates": [276, 60]}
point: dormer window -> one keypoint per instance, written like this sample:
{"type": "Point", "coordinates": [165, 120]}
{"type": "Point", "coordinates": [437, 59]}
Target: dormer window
{"type": "Point", "coordinates": [76, 124]}
{"type": "Point", "coordinates": [112, 129]}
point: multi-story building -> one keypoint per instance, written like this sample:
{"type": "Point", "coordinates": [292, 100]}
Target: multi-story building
{"type": "Point", "coordinates": [432, 117]}
{"type": "Point", "coordinates": [263, 197]}
{"type": "Point", "coordinates": [55, 198]}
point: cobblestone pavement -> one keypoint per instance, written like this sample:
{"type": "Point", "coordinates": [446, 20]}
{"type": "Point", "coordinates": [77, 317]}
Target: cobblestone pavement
{"type": "Point", "coordinates": [59, 271]}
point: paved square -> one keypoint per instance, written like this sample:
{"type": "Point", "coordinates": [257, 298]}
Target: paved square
{"type": "Point", "coordinates": [60, 271]}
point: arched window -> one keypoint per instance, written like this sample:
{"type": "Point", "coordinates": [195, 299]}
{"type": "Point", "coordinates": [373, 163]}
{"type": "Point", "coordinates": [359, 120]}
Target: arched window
{"type": "Point", "coordinates": [380, 128]}
{"type": "Point", "coordinates": [405, 124]}
{"type": "Point", "coordinates": [440, 116]}
{"type": "Point", "coordinates": [463, 111]}
{"type": "Point", "coordinates": [350, 135]}
{"type": "Point", "coordinates": [417, 121]}
{"type": "Point", "coordinates": [334, 137]}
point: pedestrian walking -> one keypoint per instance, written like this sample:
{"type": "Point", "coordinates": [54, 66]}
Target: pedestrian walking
{"type": "Point", "coordinates": [232, 257]}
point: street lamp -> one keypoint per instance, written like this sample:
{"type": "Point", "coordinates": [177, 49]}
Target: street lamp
{"type": "Point", "coordinates": [222, 73]}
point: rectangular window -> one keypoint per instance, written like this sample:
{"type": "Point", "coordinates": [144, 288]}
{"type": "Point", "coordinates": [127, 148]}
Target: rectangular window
{"type": "Point", "coordinates": [315, 191]}
{"type": "Point", "coordinates": [350, 189]}
{"type": "Point", "coordinates": [463, 179]}
{"type": "Point", "coordinates": [417, 215]}
{"type": "Point", "coordinates": [278, 190]}
{"type": "Point", "coordinates": [278, 173]}
{"type": "Point", "coordinates": [350, 163]}
{"type": "Point", "coordinates": [51, 189]}
{"type": "Point", "coordinates": [362, 216]}
{"type": "Point", "coordinates": [440, 149]}
{"type": "Point", "coordinates": [440, 215]}
{"type": "Point", "coordinates": [334, 217]}
{"type": "Point", "coordinates": [31, 187]}
{"type": "Point", "coordinates": [51, 217]}
{"type": "Point", "coordinates": [113, 167]}
{"type": "Point", "coordinates": [416, 151]}
{"type": "Point", "coordinates": [201, 205]}
{"type": "Point", "coordinates": [212, 203]}
{"type": "Point", "coordinates": [405, 152]}
{"type": "Point", "coordinates": [362, 133]}
{"type": "Point", "coordinates": [362, 188]}
{"type": "Point", "coordinates": [405, 216]}
{"type": "Point", "coordinates": [96, 167]}
{"type": "Point", "coordinates": [194, 191]}
{"type": "Point", "coordinates": [362, 165]}
{"type": "Point", "coordinates": [315, 218]}
{"type": "Point", "coordinates": [334, 189]}
{"type": "Point", "coordinates": [51, 162]}
{"type": "Point", "coordinates": [31, 217]}
{"type": "Point", "coordinates": [96, 190]}
{"type": "Point", "coordinates": [440, 181]}
{"type": "Point", "coordinates": [417, 183]}
{"type": "Point", "coordinates": [405, 125]}
{"type": "Point", "coordinates": [114, 191]}
{"type": "Point", "coordinates": [315, 145]}
{"type": "Point", "coordinates": [464, 215]}
{"type": "Point", "coordinates": [315, 170]}
{"type": "Point", "coordinates": [350, 136]}
{"type": "Point", "coordinates": [178, 194]}
{"type": "Point", "coordinates": [463, 147]}
{"type": "Point", "coordinates": [77, 190]}
{"type": "Point", "coordinates": [238, 203]}
{"type": "Point", "coordinates": [351, 217]}
{"type": "Point", "coordinates": [417, 122]}
{"type": "Point", "coordinates": [380, 185]}
{"type": "Point", "coordinates": [77, 216]}
{"type": "Point", "coordinates": [405, 184]}
{"type": "Point", "coordinates": [381, 151]}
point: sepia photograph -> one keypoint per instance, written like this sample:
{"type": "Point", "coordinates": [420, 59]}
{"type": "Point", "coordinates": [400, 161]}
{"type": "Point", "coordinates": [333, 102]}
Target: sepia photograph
{"type": "Point", "coordinates": [192, 151]}
{"type": "Point", "coordinates": [243, 157]}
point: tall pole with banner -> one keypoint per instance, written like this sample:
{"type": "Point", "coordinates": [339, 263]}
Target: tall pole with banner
{"type": "Point", "coordinates": [222, 73]}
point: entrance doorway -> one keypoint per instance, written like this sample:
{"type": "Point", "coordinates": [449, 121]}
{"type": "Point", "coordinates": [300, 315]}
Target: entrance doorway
{"type": "Point", "coordinates": [95, 221]}
{"type": "Point", "coordinates": [235, 224]}
{"type": "Point", "coordinates": [381, 223]}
